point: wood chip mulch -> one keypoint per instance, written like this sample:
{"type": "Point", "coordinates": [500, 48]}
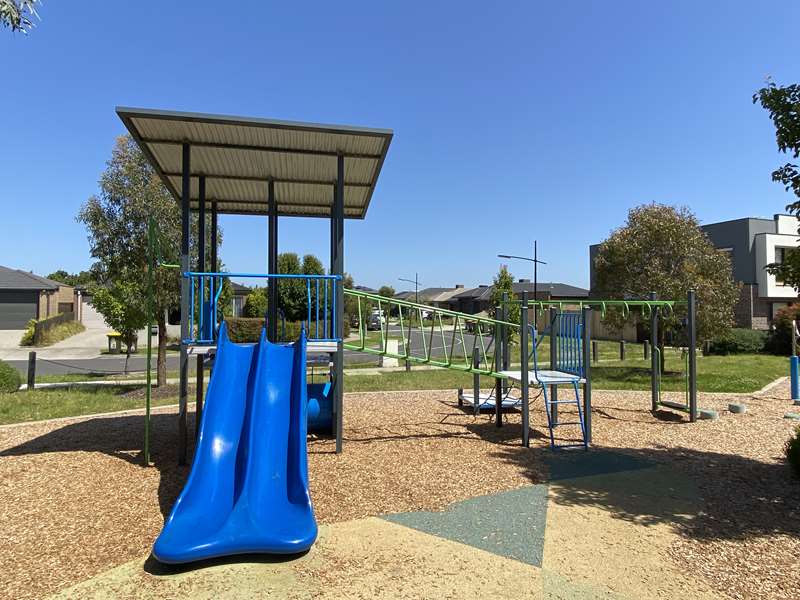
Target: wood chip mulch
{"type": "Point", "coordinates": [76, 502]}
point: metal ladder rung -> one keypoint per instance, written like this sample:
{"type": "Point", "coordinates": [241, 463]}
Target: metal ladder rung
{"type": "Point", "coordinates": [567, 423]}
{"type": "Point", "coordinates": [561, 401]}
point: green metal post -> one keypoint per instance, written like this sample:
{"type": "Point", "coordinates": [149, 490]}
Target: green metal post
{"type": "Point", "coordinates": [149, 308]}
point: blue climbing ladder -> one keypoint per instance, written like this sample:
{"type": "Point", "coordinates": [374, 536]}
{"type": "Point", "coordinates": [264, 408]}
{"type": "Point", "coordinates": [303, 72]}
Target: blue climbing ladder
{"type": "Point", "coordinates": [566, 332]}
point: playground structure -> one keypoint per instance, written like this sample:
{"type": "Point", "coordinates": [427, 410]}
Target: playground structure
{"type": "Point", "coordinates": [276, 168]}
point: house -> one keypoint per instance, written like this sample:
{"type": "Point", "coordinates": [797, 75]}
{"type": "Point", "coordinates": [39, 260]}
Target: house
{"type": "Point", "coordinates": [239, 295]}
{"type": "Point", "coordinates": [25, 296]}
{"type": "Point", "coordinates": [479, 299]}
{"type": "Point", "coordinates": [752, 243]}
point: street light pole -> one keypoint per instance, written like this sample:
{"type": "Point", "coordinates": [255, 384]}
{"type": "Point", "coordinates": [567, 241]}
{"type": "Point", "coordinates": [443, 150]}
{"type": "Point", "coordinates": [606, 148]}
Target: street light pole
{"type": "Point", "coordinates": [415, 281]}
{"type": "Point", "coordinates": [536, 262]}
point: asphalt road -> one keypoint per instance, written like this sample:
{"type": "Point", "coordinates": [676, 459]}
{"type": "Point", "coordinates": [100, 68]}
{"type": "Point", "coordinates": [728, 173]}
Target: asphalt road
{"type": "Point", "coordinates": [137, 363]}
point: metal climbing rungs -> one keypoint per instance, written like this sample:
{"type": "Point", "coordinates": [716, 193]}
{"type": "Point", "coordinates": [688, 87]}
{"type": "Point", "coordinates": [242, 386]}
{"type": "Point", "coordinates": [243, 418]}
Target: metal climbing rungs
{"type": "Point", "coordinates": [553, 423]}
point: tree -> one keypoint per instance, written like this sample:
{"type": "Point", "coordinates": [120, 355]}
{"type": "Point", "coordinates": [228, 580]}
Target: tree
{"type": "Point", "coordinates": [386, 291]}
{"type": "Point", "coordinates": [123, 312]}
{"type": "Point", "coordinates": [503, 282]}
{"type": "Point", "coordinates": [255, 305]}
{"type": "Point", "coordinates": [783, 105]}
{"type": "Point", "coordinates": [117, 220]}
{"type": "Point", "coordinates": [18, 14]}
{"type": "Point", "coordinates": [662, 249]}
{"type": "Point", "coordinates": [83, 278]}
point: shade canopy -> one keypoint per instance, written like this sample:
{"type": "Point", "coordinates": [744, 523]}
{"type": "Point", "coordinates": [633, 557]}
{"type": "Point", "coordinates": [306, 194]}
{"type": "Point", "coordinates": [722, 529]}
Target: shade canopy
{"type": "Point", "coordinates": [239, 155]}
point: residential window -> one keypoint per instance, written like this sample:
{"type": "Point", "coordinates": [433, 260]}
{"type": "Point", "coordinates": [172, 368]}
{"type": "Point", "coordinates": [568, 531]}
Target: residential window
{"type": "Point", "coordinates": [780, 257]}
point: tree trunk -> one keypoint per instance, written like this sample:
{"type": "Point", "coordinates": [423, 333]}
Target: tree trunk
{"type": "Point", "coordinates": [161, 361]}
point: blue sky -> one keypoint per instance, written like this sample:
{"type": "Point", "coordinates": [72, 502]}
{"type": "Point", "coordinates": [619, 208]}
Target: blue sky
{"type": "Point", "coordinates": [512, 121]}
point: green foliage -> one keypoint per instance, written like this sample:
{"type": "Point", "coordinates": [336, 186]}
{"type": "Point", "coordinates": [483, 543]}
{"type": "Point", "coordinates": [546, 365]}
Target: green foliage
{"type": "Point", "coordinates": [85, 278]}
{"type": "Point", "coordinates": [792, 450]}
{"type": "Point", "coordinates": [662, 249]}
{"type": "Point", "coordinates": [783, 105]}
{"type": "Point", "coordinates": [248, 330]}
{"type": "Point", "coordinates": [779, 340]}
{"type": "Point", "coordinates": [9, 378]}
{"type": "Point", "coordinates": [503, 282]}
{"type": "Point", "coordinates": [30, 331]}
{"type": "Point", "coordinates": [122, 309]}
{"type": "Point", "coordinates": [17, 15]}
{"type": "Point", "coordinates": [255, 304]}
{"type": "Point", "coordinates": [386, 291]}
{"type": "Point", "coordinates": [739, 341]}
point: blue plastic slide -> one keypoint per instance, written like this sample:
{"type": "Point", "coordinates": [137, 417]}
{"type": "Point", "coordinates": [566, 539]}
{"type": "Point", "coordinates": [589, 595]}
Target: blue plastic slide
{"type": "Point", "coordinates": [248, 488]}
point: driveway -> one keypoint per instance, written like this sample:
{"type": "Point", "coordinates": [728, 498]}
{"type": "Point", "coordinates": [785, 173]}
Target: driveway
{"type": "Point", "coordinates": [9, 338]}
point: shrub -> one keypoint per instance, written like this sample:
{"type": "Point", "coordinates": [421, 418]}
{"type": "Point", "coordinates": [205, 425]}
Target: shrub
{"type": "Point", "coordinates": [739, 341]}
{"type": "Point", "coordinates": [255, 305]}
{"type": "Point", "coordinates": [779, 340]}
{"type": "Point", "coordinates": [9, 378]}
{"type": "Point", "coordinates": [792, 450]}
{"type": "Point", "coordinates": [247, 330]}
{"type": "Point", "coordinates": [27, 337]}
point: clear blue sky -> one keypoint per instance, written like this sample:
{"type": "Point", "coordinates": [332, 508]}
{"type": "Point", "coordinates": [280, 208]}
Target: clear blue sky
{"type": "Point", "coordinates": [512, 121]}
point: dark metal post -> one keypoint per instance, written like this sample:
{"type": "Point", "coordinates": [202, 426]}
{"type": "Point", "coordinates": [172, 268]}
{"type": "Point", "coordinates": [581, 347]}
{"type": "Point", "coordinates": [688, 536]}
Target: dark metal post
{"type": "Point", "coordinates": [201, 259]}
{"type": "Point", "coordinates": [691, 324]}
{"type": "Point", "coordinates": [272, 264]}
{"type": "Point", "coordinates": [214, 239]}
{"type": "Point", "coordinates": [594, 351]}
{"type": "Point", "coordinates": [655, 364]}
{"type": "Point", "coordinates": [198, 409]}
{"type": "Point", "coordinates": [504, 338]}
{"type": "Point", "coordinates": [587, 373]}
{"type": "Point", "coordinates": [183, 388]}
{"type": "Point", "coordinates": [553, 362]}
{"type": "Point", "coordinates": [498, 383]}
{"type": "Point", "coordinates": [622, 349]}
{"type": "Point", "coordinates": [524, 382]}
{"type": "Point", "coordinates": [646, 349]}
{"type": "Point", "coordinates": [31, 370]}
{"type": "Point", "coordinates": [337, 264]}
{"type": "Point", "coordinates": [476, 382]}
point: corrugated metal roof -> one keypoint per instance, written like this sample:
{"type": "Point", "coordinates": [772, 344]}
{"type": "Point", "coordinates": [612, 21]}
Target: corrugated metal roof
{"type": "Point", "coordinates": [14, 279]}
{"type": "Point", "coordinates": [238, 156]}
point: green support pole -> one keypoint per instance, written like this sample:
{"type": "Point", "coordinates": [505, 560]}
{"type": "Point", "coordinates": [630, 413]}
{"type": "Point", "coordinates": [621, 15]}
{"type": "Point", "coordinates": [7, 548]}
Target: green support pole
{"type": "Point", "coordinates": [149, 309]}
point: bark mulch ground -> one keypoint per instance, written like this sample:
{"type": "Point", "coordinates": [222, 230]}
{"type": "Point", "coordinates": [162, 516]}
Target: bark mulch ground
{"type": "Point", "coordinates": [76, 500]}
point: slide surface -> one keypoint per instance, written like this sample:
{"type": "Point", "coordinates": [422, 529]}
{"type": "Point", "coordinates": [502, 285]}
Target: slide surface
{"type": "Point", "coordinates": [247, 491]}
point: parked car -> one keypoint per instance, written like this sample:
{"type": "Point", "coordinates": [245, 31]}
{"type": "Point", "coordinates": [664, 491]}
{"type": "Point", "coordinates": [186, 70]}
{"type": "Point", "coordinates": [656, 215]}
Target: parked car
{"type": "Point", "coordinates": [375, 322]}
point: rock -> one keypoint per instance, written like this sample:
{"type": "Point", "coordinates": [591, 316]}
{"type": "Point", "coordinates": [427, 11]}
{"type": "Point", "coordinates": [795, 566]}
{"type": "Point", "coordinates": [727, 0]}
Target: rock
{"type": "Point", "coordinates": [708, 414]}
{"type": "Point", "coordinates": [737, 408]}
{"type": "Point", "coordinates": [791, 415]}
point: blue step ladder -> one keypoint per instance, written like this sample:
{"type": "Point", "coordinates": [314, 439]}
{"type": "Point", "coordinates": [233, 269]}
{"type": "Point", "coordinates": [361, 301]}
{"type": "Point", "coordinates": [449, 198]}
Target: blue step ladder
{"type": "Point", "coordinates": [566, 332]}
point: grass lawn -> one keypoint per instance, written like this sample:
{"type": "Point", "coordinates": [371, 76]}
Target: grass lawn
{"type": "Point", "coordinates": [69, 402]}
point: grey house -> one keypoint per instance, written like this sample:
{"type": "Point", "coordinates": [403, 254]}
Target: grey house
{"type": "Point", "coordinates": [752, 244]}
{"type": "Point", "coordinates": [25, 296]}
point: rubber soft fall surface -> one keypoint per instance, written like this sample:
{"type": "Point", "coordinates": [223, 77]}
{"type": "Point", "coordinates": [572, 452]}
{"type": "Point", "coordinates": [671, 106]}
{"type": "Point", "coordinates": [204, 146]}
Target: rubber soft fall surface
{"type": "Point", "coordinates": [247, 491]}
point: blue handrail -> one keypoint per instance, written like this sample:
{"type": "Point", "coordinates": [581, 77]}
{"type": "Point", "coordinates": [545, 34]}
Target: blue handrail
{"type": "Point", "coordinates": [324, 321]}
{"type": "Point", "coordinates": [566, 330]}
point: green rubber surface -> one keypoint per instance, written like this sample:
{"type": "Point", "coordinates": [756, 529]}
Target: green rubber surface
{"type": "Point", "coordinates": [572, 464]}
{"type": "Point", "coordinates": [509, 524]}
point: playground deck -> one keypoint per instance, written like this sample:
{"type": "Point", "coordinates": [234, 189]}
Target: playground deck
{"type": "Point", "coordinates": [655, 489]}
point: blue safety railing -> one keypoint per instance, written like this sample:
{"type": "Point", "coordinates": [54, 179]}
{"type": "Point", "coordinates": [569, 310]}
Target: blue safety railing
{"type": "Point", "coordinates": [205, 290]}
{"type": "Point", "coordinates": [566, 331]}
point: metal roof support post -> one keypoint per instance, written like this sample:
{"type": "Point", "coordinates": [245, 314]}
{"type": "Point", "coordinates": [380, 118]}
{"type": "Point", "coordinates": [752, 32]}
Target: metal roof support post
{"type": "Point", "coordinates": [214, 239]}
{"type": "Point", "coordinates": [655, 363]}
{"type": "Point", "coordinates": [337, 266]}
{"type": "Point", "coordinates": [202, 325]}
{"type": "Point", "coordinates": [523, 374]}
{"type": "Point", "coordinates": [504, 339]}
{"type": "Point", "coordinates": [185, 301]}
{"type": "Point", "coordinates": [272, 264]}
{"type": "Point", "coordinates": [587, 373]}
{"type": "Point", "coordinates": [554, 325]}
{"type": "Point", "coordinates": [691, 324]}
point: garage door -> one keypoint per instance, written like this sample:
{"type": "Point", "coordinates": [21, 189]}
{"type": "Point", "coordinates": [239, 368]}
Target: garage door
{"type": "Point", "coordinates": [17, 308]}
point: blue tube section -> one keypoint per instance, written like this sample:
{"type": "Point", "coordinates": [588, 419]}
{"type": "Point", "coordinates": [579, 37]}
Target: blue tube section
{"type": "Point", "coordinates": [794, 371]}
{"type": "Point", "coordinates": [247, 491]}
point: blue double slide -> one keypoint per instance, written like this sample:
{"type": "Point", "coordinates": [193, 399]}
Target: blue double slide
{"type": "Point", "coordinates": [247, 491]}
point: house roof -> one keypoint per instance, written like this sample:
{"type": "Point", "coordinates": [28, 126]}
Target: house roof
{"type": "Point", "coordinates": [555, 290]}
{"type": "Point", "coordinates": [239, 288]}
{"type": "Point", "coordinates": [14, 279]}
{"type": "Point", "coordinates": [239, 156]}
